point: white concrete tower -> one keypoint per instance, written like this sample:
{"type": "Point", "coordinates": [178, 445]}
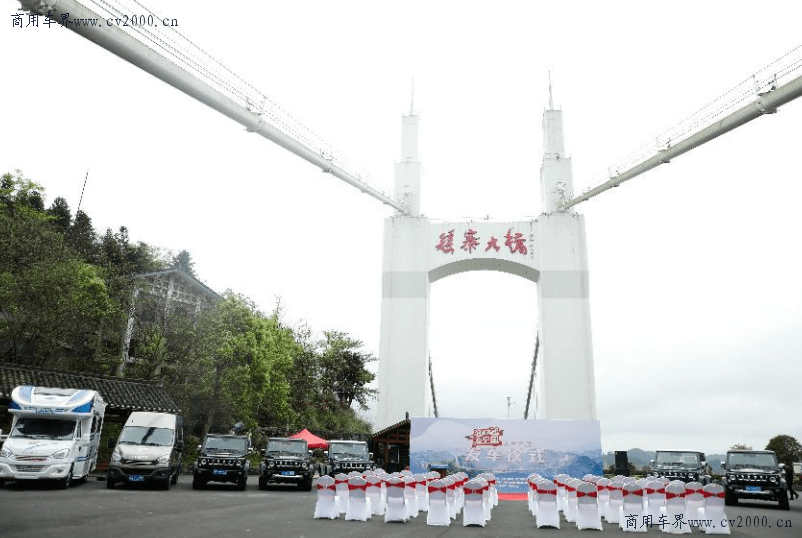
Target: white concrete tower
{"type": "Point", "coordinates": [566, 380]}
{"type": "Point", "coordinates": [404, 344]}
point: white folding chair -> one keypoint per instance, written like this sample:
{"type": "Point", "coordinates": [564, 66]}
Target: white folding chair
{"type": "Point", "coordinates": [548, 513]}
{"type": "Point", "coordinates": [570, 499]}
{"type": "Point", "coordinates": [714, 510]}
{"type": "Point", "coordinates": [450, 496]}
{"type": "Point", "coordinates": [473, 511]}
{"type": "Point", "coordinates": [587, 508]}
{"type": "Point", "coordinates": [396, 508]}
{"type": "Point", "coordinates": [438, 505]}
{"type": "Point", "coordinates": [358, 501]}
{"type": "Point", "coordinates": [674, 510]}
{"type": "Point", "coordinates": [559, 481]}
{"type": "Point", "coordinates": [531, 492]}
{"type": "Point", "coordinates": [630, 519]}
{"type": "Point", "coordinates": [327, 506]}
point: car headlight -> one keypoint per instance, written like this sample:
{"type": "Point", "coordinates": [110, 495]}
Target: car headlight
{"type": "Point", "coordinates": [164, 460]}
{"type": "Point", "coordinates": [271, 464]}
{"type": "Point", "coordinates": [5, 453]}
{"type": "Point", "coordinates": [61, 454]}
{"type": "Point", "coordinates": [116, 455]}
{"type": "Point", "coordinates": [773, 479]}
{"type": "Point", "coordinates": [203, 461]}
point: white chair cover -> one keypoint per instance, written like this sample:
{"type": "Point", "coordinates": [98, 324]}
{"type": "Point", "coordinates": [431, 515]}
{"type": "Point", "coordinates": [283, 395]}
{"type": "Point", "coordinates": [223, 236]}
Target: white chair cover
{"type": "Point", "coordinates": [559, 481]}
{"type": "Point", "coordinates": [396, 508]}
{"type": "Point", "coordinates": [410, 495]}
{"type": "Point", "coordinates": [374, 493]}
{"type": "Point", "coordinates": [438, 506]}
{"type": "Point", "coordinates": [531, 492]}
{"type": "Point", "coordinates": [674, 510]}
{"type": "Point", "coordinates": [473, 511]}
{"type": "Point", "coordinates": [694, 501]}
{"type": "Point", "coordinates": [714, 509]}
{"type": "Point", "coordinates": [341, 483]}
{"type": "Point", "coordinates": [548, 513]}
{"type": "Point", "coordinates": [450, 496]}
{"type": "Point", "coordinates": [570, 499]}
{"type": "Point", "coordinates": [616, 501]}
{"type": "Point", "coordinates": [587, 508]}
{"type": "Point", "coordinates": [421, 492]}
{"type": "Point", "coordinates": [631, 517]}
{"type": "Point", "coordinates": [603, 495]}
{"type": "Point", "coordinates": [327, 506]}
{"type": "Point", "coordinates": [358, 501]}
{"type": "Point", "coordinates": [655, 500]}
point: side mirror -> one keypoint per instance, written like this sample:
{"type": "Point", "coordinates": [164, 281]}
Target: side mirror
{"type": "Point", "coordinates": [198, 449]}
{"type": "Point", "coordinates": [263, 451]}
{"type": "Point", "coordinates": [310, 452]}
{"type": "Point", "coordinates": [370, 455]}
{"type": "Point", "coordinates": [782, 466]}
{"type": "Point", "coordinates": [652, 461]}
{"type": "Point", "coordinates": [112, 443]}
{"type": "Point", "coordinates": [723, 465]}
{"type": "Point", "coordinates": [326, 453]}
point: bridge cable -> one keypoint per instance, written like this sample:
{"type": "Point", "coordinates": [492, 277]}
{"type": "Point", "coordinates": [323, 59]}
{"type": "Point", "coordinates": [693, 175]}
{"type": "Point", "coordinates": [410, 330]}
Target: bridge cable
{"type": "Point", "coordinates": [532, 375]}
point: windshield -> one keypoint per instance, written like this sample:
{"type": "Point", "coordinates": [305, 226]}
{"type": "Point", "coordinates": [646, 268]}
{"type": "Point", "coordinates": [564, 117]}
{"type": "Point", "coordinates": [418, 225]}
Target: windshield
{"type": "Point", "coordinates": [226, 444]}
{"type": "Point", "coordinates": [685, 459]}
{"type": "Point", "coordinates": [143, 435]}
{"type": "Point", "coordinates": [736, 460]}
{"type": "Point", "coordinates": [287, 447]}
{"type": "Point", "coordinates": [355, 450]}
{"type": "Point", "coordinates": [40, 428]}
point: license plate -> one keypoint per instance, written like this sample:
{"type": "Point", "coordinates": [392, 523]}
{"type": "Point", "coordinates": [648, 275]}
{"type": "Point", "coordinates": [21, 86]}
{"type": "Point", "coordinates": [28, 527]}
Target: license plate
{"type": "Point", "coordinates": [753, 488]}
{"type": "Point", "coordinates": [136, 478]}
{"type": "Point", "coordinates": [219, 471]}
{"type": "Point", "coordinates": [288, 473]}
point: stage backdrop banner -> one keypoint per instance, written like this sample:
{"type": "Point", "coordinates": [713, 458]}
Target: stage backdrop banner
{"type": "Point", "coordinates": [510, 449]}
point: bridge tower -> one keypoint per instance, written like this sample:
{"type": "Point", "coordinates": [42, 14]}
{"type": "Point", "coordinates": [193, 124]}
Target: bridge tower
{"type": "Point", "coordinates": [549, 251]}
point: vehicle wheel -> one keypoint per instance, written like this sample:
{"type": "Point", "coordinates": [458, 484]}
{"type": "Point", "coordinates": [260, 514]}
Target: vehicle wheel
{"type": "Point", "coordinates": [166, 484]}
{"type": "Point", "coordinates": [65, 482]}
{"type": "Point", "coordinates": [2, 482]}
{"type": "Point", "coordinates": [242, 483]}
{"type": "Point", "coordinates": [109, 483]}
{"type": "Point", "coordinates": [196, 483]}
{"type": "Point", "coordinates": [306, 485]}
{"type": "Point", "coordinates": [174, 479]}
{"type": "Point", "coordinates": [784, 501]}
{"type": "Point", "coordinates": [730, 499]}
{"type": "Point", "coordinates": [262, 483]}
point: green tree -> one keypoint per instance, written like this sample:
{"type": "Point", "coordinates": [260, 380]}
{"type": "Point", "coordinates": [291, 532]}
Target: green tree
{"type": "Point", "coordinates": [60, 212]}
{"type": "Point", "coordinates": [740, 446]}
{"type": "Point", "coordinates": [787, 448]}
{"type": "Point", "coordinates": [183, 261]}
{"type": "Point", "coordinates": [344, 370]}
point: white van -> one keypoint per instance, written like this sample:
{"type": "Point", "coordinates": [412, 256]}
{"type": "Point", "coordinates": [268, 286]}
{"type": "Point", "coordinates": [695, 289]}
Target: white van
{"type": "Point", "coordinates": [149, 449]}
{"type": "Point", "coordinates": [54, 434]}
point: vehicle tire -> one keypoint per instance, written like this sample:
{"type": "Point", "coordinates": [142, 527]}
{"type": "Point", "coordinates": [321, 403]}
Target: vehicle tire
{"type": "Point", "coordinates": [730, 499]}
{"type": "Point", "coordinates": [109, 483]}
{"type": "Point", "coordinates": [306, 485]}
{"type": "Point", "coordinates": [65, 482]}
{"type": "Point", "coordinates": [262, 483]}
{"type": "Point", "coordinates": [2, 482]}
{"type": "Point", "coordinates": [196, 483]}
{"type": "Point", "coordinates": [166, 484]}
{"type": "Point", "coordinates": [784, 501]}
{"type": "Point", "coordinates": [242, 483]}
{"type": "Point", "coordinates": [174, 479]}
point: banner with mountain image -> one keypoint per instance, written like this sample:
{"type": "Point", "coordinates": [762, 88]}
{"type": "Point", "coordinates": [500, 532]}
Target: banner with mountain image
{"type": "Point", "coordinates": [510, 449]}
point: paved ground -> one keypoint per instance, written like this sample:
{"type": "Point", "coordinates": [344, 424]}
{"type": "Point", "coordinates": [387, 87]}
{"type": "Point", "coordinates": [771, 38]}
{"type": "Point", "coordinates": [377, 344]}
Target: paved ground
{"type": "Point", "coordinates": [90, 510]}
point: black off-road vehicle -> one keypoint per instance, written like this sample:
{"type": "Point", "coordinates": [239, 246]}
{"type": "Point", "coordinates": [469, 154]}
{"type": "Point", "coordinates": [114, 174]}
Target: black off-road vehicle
{"type": "Point", "coordinates": [286, 461]}
{"type": "Point", "coordinates": [685, 465]}
{"type": "Point", "coordinates": [223, 458]}
{"type": "Point", "coordinates": [754, 474]}
{"type": "Point", "coordinates": [347, 456]}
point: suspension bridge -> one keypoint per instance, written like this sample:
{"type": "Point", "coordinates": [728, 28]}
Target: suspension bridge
{"type": "Point", "coordinates": [171, 57]}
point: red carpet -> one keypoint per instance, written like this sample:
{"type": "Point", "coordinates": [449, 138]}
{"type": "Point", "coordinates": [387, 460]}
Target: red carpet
{"type": "Point", "coordinates": [512, 496]}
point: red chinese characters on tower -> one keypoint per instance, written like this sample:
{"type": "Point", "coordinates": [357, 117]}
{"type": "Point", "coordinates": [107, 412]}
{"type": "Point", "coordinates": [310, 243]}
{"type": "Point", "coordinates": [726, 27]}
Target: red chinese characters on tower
{"type": "Point", "coordinates": [493, 243]}
{"type": "Point", "coordinates": [471, 241]}
{"type": "Point", "coordinates": [516, 242]}
{"type": "Point", "coordinates": [446, 244]}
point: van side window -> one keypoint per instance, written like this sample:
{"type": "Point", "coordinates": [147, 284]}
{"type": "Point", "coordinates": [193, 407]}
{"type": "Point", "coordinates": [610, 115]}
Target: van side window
{"type": "Point", "coordinates": [78, 430]}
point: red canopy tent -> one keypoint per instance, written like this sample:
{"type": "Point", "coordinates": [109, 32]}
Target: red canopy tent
{"type": "Point", "coordinates": [311, 439]}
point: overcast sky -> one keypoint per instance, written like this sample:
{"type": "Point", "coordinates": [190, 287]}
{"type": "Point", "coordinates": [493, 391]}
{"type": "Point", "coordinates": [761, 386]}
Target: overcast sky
{"type": "Point", "coordinates": [696, 303]}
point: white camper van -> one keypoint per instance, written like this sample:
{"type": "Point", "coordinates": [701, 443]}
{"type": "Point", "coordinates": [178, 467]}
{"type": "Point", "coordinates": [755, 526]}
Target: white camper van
{"type": "Point", "coordinates": [149, 449]}
{"type": "Point", "coordinates": [54, 434]}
